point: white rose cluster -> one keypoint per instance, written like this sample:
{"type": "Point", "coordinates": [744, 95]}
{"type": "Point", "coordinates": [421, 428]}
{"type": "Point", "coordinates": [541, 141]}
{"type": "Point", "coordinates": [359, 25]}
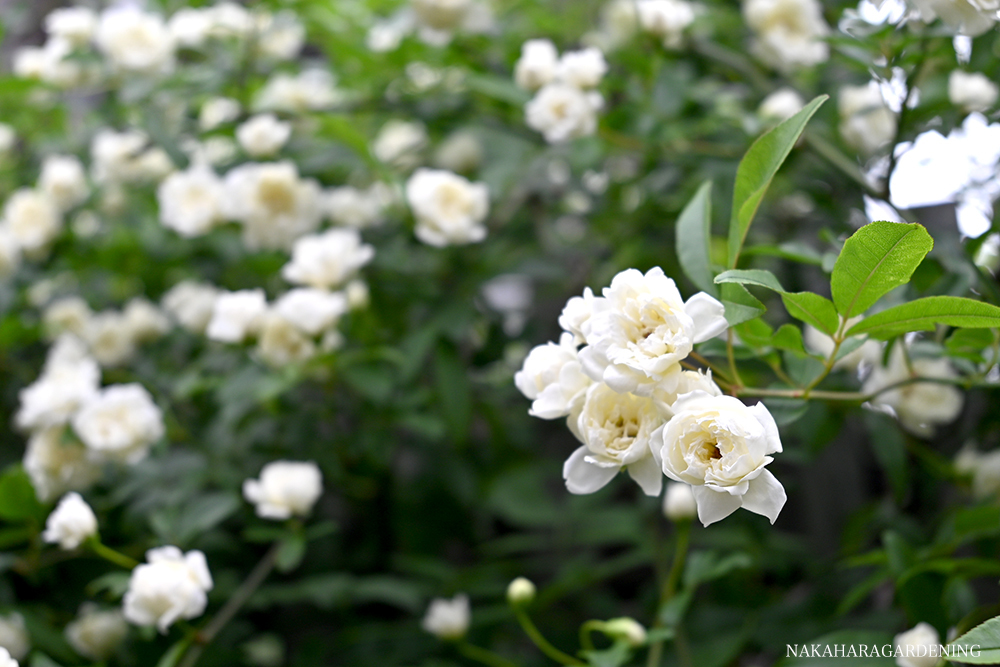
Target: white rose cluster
{"type": "Point", "coordinates": [449, 209]}
{"type": "Point", "coordinates": [110, 336]}
{"type": "Point", "coordinates": [170, 586]}
{"type": "Point", "coordinates": [616, 376]}
{"type": "Point", "coordinates": [788, 33]}
{"type": "Point", "coordinates": [964, 17]}
{"type": "Point", "coordinates": [434, 21]}
{"type": "Point", "coordinates": [285, 489]}
{"type": "Point", "coordinates": [565, 105]}
{"type": "Point", "coordinates": [866, 121]}
{"type": "Point", "coordinates": [666, 19]}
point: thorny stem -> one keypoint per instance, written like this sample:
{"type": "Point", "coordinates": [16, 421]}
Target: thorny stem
{"type": "Point", "coordinates": [541, 642]}
{"type": "Point", "coordinates": [715, 368]}
{"type": "Point", "coordinates": [482, 655]}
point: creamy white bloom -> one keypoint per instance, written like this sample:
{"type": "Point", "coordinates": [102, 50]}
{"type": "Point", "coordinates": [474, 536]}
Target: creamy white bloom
{"type": "Point", "coordinates": [461, 152]}
{"type": "Point", "coordinates": [32, 218]}
{"type": "Point", "coordinates": [144, 322]}
{"type": "Point", "coordinates": [171, 585]}
{"type": "Point", "coordinates": [285, 489]}
{"type": "Point", "coordinates": [213, 151]}
{"type": "Point", "coordinates": [819, 343]}
{"type": "Point", "coordinates": [666, 19]}
{"type": "Point", "coordinates": [919, 646]}
{"type": "Point", "coordinates": [310, 90]}
{"type": "Point", "coordinates": [449, 209]}
{"type": "Point", "coordinates": [972, 91]}
{"type": "Point", "coordinates": [399, 143]}
{"type": "Point", "coordinates": [919, 406]}
{"type": "Point", "coordinates": [109, 339]}
{"type": "Point", "coordinates": [311, 310]}
{"type": "Point", "coordinates": [75, 25]}
{"type": "Point", "coordinates": [6, 660]}
{"type": "Point", "coordinates": [520, 591]}
{"type": "Point", "coordinates": [96, 633]}
{"type": "Point", "coordinates": [229, 20]}
{"type": "Point", "coordinates": [352, 207]}
{"type": "Point", "coordinates": [720, 447]}
{"type": "Point", "coordinates": [63, 387]}
{"type": "Point", "coordinates": [788, 32]}
{"type": "Point", "coordinates": [190, 27]}
{"type": "Point", "coordinates": [679, 503]}
{"type": "Point", "coordinates": [10, 253]}
{"type": "Point", "coordinates": [14, 636]}
{"type": "Point", "coordinates": [780, 105]}
{"type": "Point", "coordinates": [575, 316]}
{"type": "Point", "coordinates": [327, 260]}
{"type": "Point", "coordinates": [191, 304]}
{"type": "Point", "coordinates": [444, 15]}
{"type": "Point", "coordinates": [866, 122]}
{"type": "Point", "coordinates": [120, 424]}
{"type": "Point", "coordinates": [51, 63]}
{"type": "Point", "coordinates": [641, 330]}
{"type": "Point", "coordinates": [448, 619]}
{"type": "Point", "coordinates": [274, 205]}
{"type": "Point", "coordinates": [263, 135]}
{"type": "Point", "coordinates": [358, 294]}
{"type": "Point", "coordinates": [583, 69]}
{"type": "Point", "coordinates": [279, 36]}
{"type": "Point", "coordinates": [217, 111]}
{"type": "Point", "coordinates": [114, 154]}
{"type": "Point", "coordinates": [280, 342]}
{"type": "Point", "coordinates": [562, 112]}
{"type": "Point", "coordinates": [191, 201]}
{"type": "Point", "coordinates": [537, 65]}
{"type": "Point", "coordinates": [966, 17]}
{"type": "Point", "coordinates": [57, 464]}
{"type": "Point", "coordinates": [152, 165]}
{"type": "Point", "coordinates": [983, 467]}
{"type": "Point", "coordinates": [63, 180]}
{"type": "Point", "coordinates": [71, 523]}
{"type": "Point", "coordinates": [8, 138]}
{"type": "Point", "coordinates": [553, 379]}
{"type": "Point", "coordinates": [236, 315]}
{"type": "Point", "coordinates": [135, 41]}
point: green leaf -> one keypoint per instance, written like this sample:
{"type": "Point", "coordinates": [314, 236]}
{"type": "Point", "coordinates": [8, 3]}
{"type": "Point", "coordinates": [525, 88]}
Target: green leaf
{"type": "Point", "coordinates": [454, 392]}
{"type": "Point", "coordinates": [924, 314]}
{"type": "Point", "coordinates": [757, 277]}
{"type": "Point", "coordinates": [616, 656]}
{"type": "Point", "coordinates": [877, 258]}
{"type": "Point", "coordinates": [291, 550]}
{"type": "Point", "coordinates": [978, 646]}
{"type": "Point", "coordinates": [205, 512]}
{"type": "Point", "coordinates": [812, 309]}
{"type": "Point", "coordinates": [175, 653]}
{"type": "Point", "coordinates": [741, 306]}
{"type": "Point", "coordinates": [694, 231]}
{"type": "Point", "coordinates": [757, 170]}
{"type": "Point", "coordinates": [789, 337]}
{"type": "Point", "coordinates": [17, 496]}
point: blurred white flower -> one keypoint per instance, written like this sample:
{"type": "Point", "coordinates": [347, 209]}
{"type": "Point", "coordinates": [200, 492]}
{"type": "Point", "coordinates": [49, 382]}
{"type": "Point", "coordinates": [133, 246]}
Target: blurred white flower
{"type": "Point", "coordinates": [537, 65]}
{"type": "Point", "coordinates": [274, 204]}
{"type": "Point", "coordinates": [311, 90]}
{"type": "Point", "coordinates": [263, 135]}
{"type": "Point", "coordinates": [152, 165]}
{"type": "Point", "coordinates": [357, 293]}
{"type": "Point", "coordinates": [6, 660]}
{"type": "Point", "coordinates": [679, 503]}
{"type": "Point", "coordinates": [279, 36]}
{"type": "Point", "coordinates": [461, 152]}
{"type": "Point", "coordinates": [666, 19]}
{"type": "Point", "coordinates": [216, 111]}
{"type": "Point", "coordinates": [583, 69]}
{"type": "Point", "coordinates": [448, 619]}
{"type": "Point", "coordinates": [720, 447]}
{"type": "Point", "coordinates": [65, 384]}
{"type": "Point", "coordinates": [113, 155]}
{"type": "Point", "coordinates": [33, 219]}
{"type": "Point", "coordinates": [918, 647]}
{"type": "Point", "coordinates": [449, 209]}
{"type": "Point", "coordinates": [311, 310]}
{"type": "Point", "coordinates": [230, 20]}
{"type": "Point", "coordinates": [191, 304]}
{"type": "Point", "coordinates": [51, 63]}
{"type": "Point", "coordinates": [8, 139]}
{"type": "Point", "coordinates": [327, 260]}
{"type": "Point", "coordinates": [170, 586]}
{"type": "Point", "coordinates": [972, 91]}
{"type": "Point", "coordinates": [190, 26]}
{"type": "Point", "coordinates": [789, 33]}
{"type": "Point", "coordinates": [191, 201]}
{"type": "Point", "coordinates": [57, 464]}
{"type": "Point", "coordinates": [14, 636]}
{"type": "Point", "coordinates": [285, 489]}
{"type": "Point", "coordinates": [443, 15]}
{"type": "Point", "coordinates": [780, 105]}
{"type": "Point", "coordinates": [120, 424]}
{"type": "Point", "coordinates": [135, 41]}
{"type": "Point", "coordinates": [96, 633]}
{"type": "Point", "coordinates": [399, 143]}
{"type": "Point", "coordinates": [280, 342]}
{"type": "Point", "coordinates": [562, 112]}
{"type": "Point", "coordinates": [71, 523]}
{"type": "Point", "coordinates": [553, 379]}
{"type": "Point", "coordinates": [236, 315]}
{"type": "Point", "coordinates": [919, 406]}
{"type": "Point", "coordinates": [352, 207]}
{"type": "Point", "coordinates": [983, 467]}
{"type": "Point", "coordinates": [10, 253]}
{"type": "Point", "coordinates": [75, 25]}
{"type": "Point", "coordinates": [62, 178]}
{"type": "Point", "coordinates": [965, 17]}
{"type": "Point", "coordinates": [144, 322]}
{"type": "Point", "coordinates": [866, 122]}
{"type": "Point", "coordinates": [109, 339]}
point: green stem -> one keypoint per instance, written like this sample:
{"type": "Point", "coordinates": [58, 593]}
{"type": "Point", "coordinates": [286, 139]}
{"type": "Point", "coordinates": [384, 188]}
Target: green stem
{"type": "Point", "coordinates": [683, 542]}
{"type": "Point", "coordinates": [541, 642]}
{"type": "Point", "coordinates": [482, 655]}
{"type": "Point", "coordinates": [109, 554]}
{"type": "Point", "coordinates": [838, 340]}
{"type": "Point", "coordinates": [585, 630]}
{"type": "Point", "coordinates": [715, 368]}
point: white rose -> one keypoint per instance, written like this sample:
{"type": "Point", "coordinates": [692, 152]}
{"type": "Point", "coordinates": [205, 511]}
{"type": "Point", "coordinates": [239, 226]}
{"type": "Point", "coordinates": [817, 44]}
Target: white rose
{"type": "Point", "coordinates": [354, 208]}
{"type": "Point", "coordinates": [461, 152]}
{"type": "Point", "coordinates": [135, 41]}
{"type": "Point", "coordinates": [984, 468]}
{"type": "Point", "coordinates": [213, 151]}
{"type": "Point", "coordinates": [71, 523]}
{"type": "Point", "coordinates": [66, 315]}
{"type": "Point", "coordinates": [280, 36]}
{"type": "Point", "coordinates": [966, 17]}
{"type": "Point", "coordinates": [399, 143]}
{"type": "Point", "coordinates": [33, 219]}
{"type": "Point", "coordinates": [357, 293]}
{"type": "Point", "coordinates": [109, 339]}
{"type": "Point", "coordinates": [575, 316]}
{"type": "Point", "coordinates": [788, 32]}
{"type": "Point", "coordinates": [583, 69]}
{"type": "Point", "coordinates": [310, 90]}
{"type": "Point", "coordinates": [327, 260]}
{"type": "Point", "coordinates": [537, 65]}
{"type": "Point", "coordinates": [14, 636]}
{"type": "Point", "coordinates": [63, 180]}
{"type": "Point", "coordinates": [780, 105]}
{"type": "Point", "coordinates": [120, 424]}
{"type": "Point", "coordinates": [58, 393]}
{"type": "Point", "coordinates": [190, 27]}
{"type": "Point", "coordinates": [75, 25]}
{"type": "Point", "coordinates": [972, 91]}
{"type": "Point", "coordinates": [152, 166]}
{"type": "Point", "coordinates": [448, 619]}
{"type": "Point", "coordinates": [562, 112]}
{"type": "Point", "coordinates": [236, 315]}
{"type": "Point", "coordinates": [666, 19]}
{"type": "Point", "coordinates": [170, 586]}
{"type": "Point", "coordinates": [281, 343]}
{"type": "Point", "coordinates": [311, 310]}
{"type": "Point", "coordinates": [720, 446]}
{"type": "Point", "coordinates": [679, 503]}
{"type": "Point", "coordinates": [191, 304]}
{"type": "Point", "coordinates": [95, 634]}
{"type": "Point", "coordinates": [6, 660]}
{"type": "Point", "coordinates": [263, 135]}
{"type": "Point", "coordinates": [918, 646]}
{"type": "Point", "coordinates": [229, 20]}
{"type": "Point", "coordinates": [641, 330]}
{"type": "Point", "coordinates": [217, 111]}
{"type": "Point", "coordinates": [552, 379]}
{"type": "Point", "coordinates": [442, 15]}
{"type": "Point", "coordinates": [919, 406]}
{"type": "Point", "coordinates": [144, 322]}
{"type": "Point", "coordinates": [273, 203]}
{"type": "Point", "coordinates": [191, 201]}
{"type": "Point", "coordinates": [866, 122]}
{"type": "Point", "coordinates": [57, 464]}
{"type": "Point", "coordinates": [449, 209]}
{"type": "Point", "coordinates": [285, 489]}
{"type": "Point", "coordinates": [114, 155]}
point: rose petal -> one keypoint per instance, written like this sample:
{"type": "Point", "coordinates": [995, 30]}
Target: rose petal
{"type": "Point", "coordinates": [647, 474]}
{"type": "Point", "coordinates": [708, 315]}
{"type": "Point", "coordinates": [761, 413]}
{"type": "Point", "coordinates": [582, 477]}
{"type": "Point", "coordinates": [765, 496]}
{"type": "Point", "coordinates": [714, 506]}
